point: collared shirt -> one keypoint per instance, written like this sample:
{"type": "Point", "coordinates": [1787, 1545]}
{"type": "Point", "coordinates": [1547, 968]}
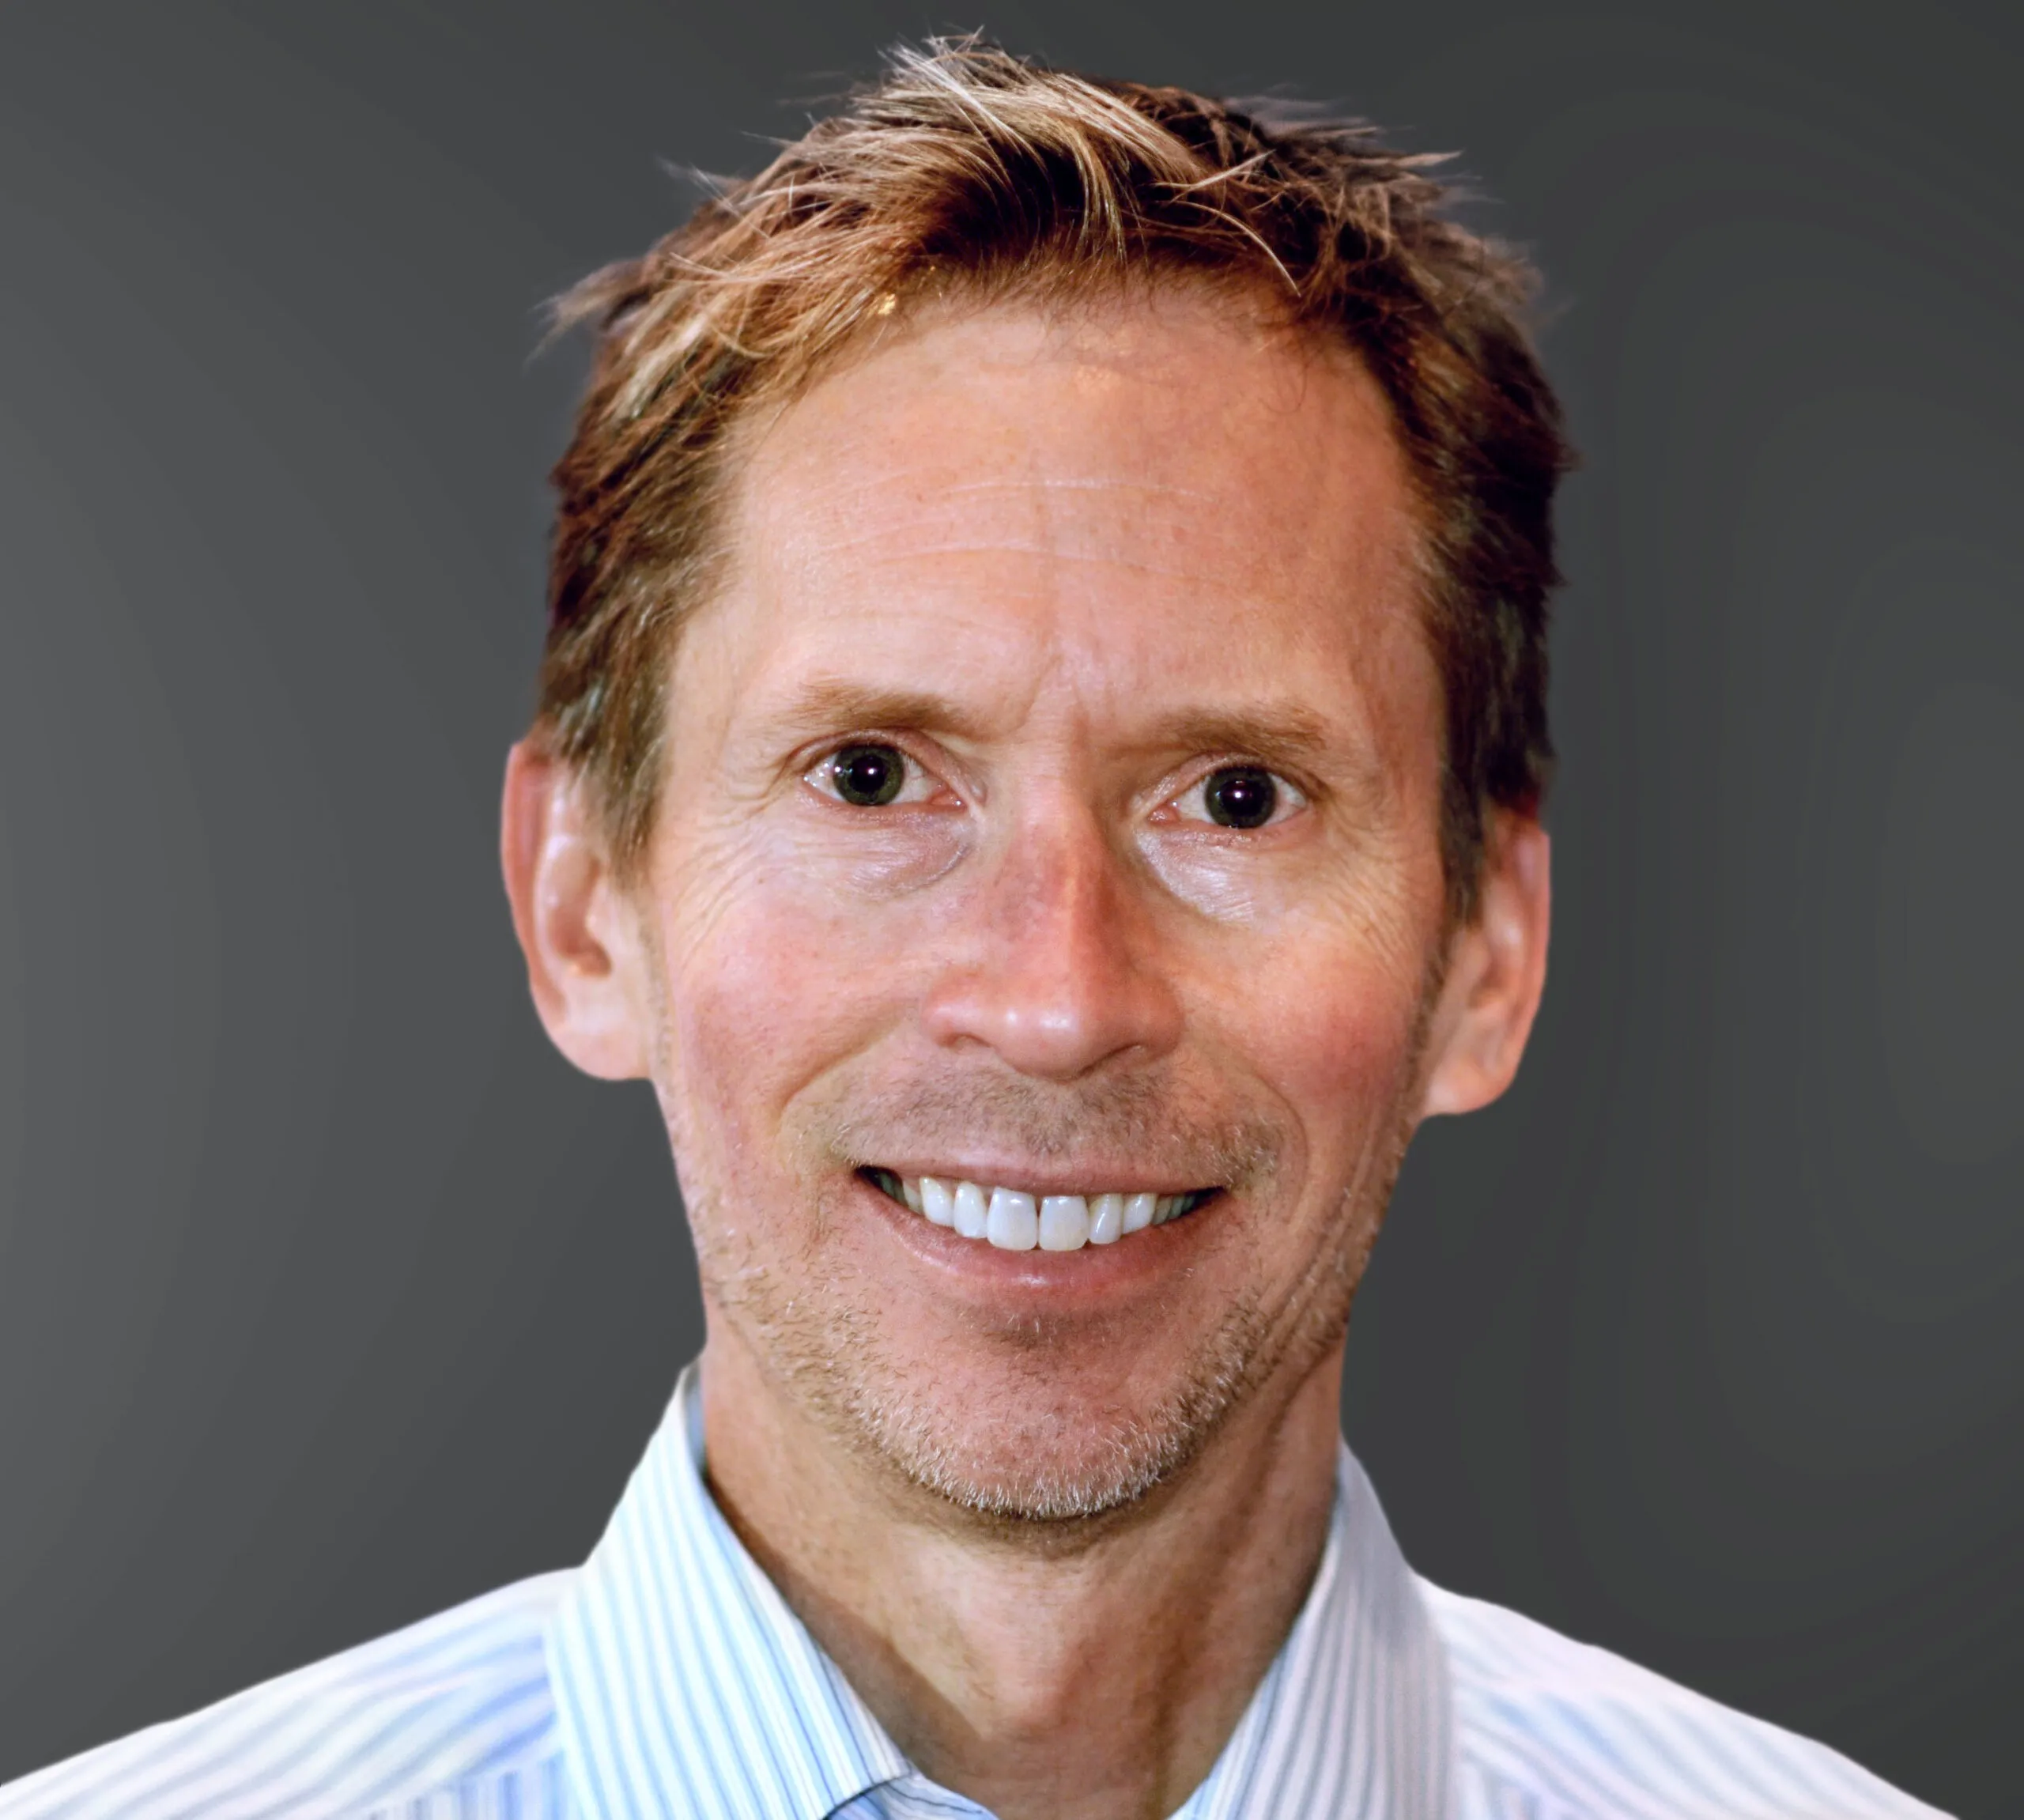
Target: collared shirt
{"type": "Point", "coordinates": [667, 1679]}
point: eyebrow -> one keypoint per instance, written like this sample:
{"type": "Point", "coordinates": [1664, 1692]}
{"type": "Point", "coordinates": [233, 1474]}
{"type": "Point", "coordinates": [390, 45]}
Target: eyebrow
{"type": "Point", "coordinates": [1278, 732]}
{"type": "Point", "coordinates": [828, 704]}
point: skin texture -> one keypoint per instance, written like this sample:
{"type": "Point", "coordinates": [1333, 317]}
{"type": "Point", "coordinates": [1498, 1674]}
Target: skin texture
{"type": "Point", "coordinates": [1051, 1513]}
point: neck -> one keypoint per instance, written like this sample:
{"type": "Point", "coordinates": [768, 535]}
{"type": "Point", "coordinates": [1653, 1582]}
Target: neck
{"type": "Point", "coordinates": [1062, 1671]}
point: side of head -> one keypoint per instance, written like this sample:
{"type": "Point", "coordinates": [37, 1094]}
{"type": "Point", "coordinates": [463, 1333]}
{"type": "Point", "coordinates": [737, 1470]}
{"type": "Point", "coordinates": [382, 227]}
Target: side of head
{"type": "Point", "coordinates": [1046, 689]}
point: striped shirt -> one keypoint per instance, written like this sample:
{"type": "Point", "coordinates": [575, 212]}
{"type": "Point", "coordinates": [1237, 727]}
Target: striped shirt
{"type": "Point", "coordinates": [668, 1678]}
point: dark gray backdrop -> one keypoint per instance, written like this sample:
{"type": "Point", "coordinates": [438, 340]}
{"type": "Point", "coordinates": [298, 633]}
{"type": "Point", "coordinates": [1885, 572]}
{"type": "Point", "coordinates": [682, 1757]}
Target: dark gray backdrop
{"type": "Point", "coordinates": [329, 1296]}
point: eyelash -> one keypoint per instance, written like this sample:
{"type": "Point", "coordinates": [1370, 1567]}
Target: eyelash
{"type": "Point", "coordinates": [1290, 796]}
{"type": "Point", "coordinates": [821, 777]}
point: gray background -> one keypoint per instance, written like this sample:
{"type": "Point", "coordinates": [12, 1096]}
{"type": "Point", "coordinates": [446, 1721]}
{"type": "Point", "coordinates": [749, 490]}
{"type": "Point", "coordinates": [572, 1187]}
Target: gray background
{"type": "Point", "coordinates": [329, 1296]}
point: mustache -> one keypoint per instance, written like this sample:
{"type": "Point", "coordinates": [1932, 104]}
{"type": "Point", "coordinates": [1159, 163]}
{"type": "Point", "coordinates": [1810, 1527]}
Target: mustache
{"type": "Point", "coordinates": [1137, 1117]}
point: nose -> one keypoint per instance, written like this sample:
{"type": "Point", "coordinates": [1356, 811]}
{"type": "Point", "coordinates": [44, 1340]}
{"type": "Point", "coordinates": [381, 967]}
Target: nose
{"type": "Point", "coordinates": [1057, 972]}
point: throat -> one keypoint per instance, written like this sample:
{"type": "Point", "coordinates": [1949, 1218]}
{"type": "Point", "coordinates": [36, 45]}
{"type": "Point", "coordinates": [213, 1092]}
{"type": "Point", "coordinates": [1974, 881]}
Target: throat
{"type": "Point", "coordinates": [1037, 1680]}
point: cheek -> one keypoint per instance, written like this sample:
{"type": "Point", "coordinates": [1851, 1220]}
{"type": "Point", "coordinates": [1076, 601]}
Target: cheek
{"type": "Point", "coordinates": [772, 979]}
{"type": "Point", "coordinates": [1345, 1041]}
{"type": "Point", "coordinates": [1329, 1021]}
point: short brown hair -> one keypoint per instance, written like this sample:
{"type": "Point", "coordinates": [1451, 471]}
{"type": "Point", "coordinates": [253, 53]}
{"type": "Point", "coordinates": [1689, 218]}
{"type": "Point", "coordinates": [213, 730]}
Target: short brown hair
{"type": "Point", "coordinates": [968, 171]}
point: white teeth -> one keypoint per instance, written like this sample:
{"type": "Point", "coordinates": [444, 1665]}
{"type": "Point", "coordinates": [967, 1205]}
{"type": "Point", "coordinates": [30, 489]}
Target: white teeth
{"type": "Point", "coordinates": [1011, 1224]}
{"type": "Point", "coordinates": [969, 1210]}
{"type": "Point", "coordinates": [1064, 1223]}
{"type": "Point", "coordinates": [1015, 1220]}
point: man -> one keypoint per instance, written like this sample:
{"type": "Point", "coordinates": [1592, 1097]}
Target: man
{"type": "Point", "coordinates": [1040, 762]}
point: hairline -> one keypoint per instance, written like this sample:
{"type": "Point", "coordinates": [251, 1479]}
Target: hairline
{"type": "Point", "coordinates": [954, 295]}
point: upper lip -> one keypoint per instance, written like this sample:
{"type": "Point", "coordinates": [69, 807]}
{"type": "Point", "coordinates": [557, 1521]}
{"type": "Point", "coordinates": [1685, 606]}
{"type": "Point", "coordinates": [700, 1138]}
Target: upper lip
{"type": "Point", "coordinates": [1049, 1178]}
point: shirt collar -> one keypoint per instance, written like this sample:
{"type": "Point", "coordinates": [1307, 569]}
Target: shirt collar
{"type": "Point", "coordinates": [684, 1687]}
{"type": "Point", "coordinates": [1354, 1719]}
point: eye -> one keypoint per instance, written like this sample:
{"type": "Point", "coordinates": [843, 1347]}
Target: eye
{"type": "Point", "coordinates": [1238, 796]}
{"type": "Point", "coordinates": [870, 775]}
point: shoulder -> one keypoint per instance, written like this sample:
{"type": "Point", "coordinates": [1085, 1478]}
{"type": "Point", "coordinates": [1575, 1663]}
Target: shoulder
{"type": "Point", "coordinates": [1550, 1729]}
{"type": "Point", "coordinates": [461, 1695]}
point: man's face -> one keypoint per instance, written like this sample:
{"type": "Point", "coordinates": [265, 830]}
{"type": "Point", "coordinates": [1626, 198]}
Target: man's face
{"type": "Point", "coordinates": [1051, 806]}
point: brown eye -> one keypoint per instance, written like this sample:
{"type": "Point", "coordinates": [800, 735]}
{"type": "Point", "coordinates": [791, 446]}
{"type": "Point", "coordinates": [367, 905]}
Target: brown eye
{"type": "Point", "coordinates": [1239, 796]}
{"type": "Point", "coordinates": [868, 776]}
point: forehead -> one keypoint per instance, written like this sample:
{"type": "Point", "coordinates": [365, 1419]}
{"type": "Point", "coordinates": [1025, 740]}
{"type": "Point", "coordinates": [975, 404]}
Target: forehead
{"type": "Point", "coordinates": [1160, 494]}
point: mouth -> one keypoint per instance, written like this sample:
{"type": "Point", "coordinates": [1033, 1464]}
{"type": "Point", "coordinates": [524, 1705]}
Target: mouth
{"type": "Point", "coordinates": [1016, 1220]}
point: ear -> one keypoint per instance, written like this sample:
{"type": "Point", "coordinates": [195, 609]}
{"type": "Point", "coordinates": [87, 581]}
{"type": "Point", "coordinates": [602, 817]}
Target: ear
{"type": "Point", "coordinates": [1497, 970]}
{"type": "Point", "coordinates": [585, 962]}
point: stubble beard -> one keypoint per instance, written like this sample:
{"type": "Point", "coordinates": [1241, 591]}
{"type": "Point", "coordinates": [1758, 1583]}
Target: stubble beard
{"type": "Point", "coordinates": [1043, 1457]}
{"type": "Point", "coordinates": [1034, 1453]}
{"type": "Point", "coordinates": [1047, 1462]}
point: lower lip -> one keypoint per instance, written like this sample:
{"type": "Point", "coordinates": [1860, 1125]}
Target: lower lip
{"type": "Point", "coordinates": [1093, 1273]}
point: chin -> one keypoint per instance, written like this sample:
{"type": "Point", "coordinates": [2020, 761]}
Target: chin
{"type": "Point", "coordinates": [1012, 1445]}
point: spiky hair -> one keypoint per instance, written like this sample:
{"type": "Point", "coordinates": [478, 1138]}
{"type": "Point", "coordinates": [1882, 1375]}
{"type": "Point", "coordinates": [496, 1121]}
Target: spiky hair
{"type": "Point", "coordinates": [966, 172]}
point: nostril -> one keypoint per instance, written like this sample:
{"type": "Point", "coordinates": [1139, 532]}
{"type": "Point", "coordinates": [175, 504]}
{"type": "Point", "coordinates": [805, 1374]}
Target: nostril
{"type": "Point", "coordinates": [1059, 1018]}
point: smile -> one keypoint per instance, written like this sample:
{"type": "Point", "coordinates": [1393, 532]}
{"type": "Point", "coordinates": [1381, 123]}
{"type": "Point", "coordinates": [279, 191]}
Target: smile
{"type": "Point", "coordinates": [1015, 1220]}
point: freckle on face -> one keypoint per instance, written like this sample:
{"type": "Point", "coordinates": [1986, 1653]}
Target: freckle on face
{"type": "Point", "coordinates": [1064, 550]}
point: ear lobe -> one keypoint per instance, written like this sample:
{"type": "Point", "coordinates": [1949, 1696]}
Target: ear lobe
{"type": "Point", "coordinates": [1497, 973]}
{"type": "Point", "coordinates": [584, 963]}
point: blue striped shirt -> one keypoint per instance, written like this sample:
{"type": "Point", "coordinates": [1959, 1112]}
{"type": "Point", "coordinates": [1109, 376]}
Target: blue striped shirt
{"type": "Point", "coordinates": [668, 1678]}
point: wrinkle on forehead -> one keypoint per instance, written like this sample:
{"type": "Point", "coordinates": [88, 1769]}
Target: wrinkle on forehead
{"type": "Point", "coordinates": [981, 545]}
{"type": "Point", "coordinates": [1057, 406]}
{"type": "Point", "coordinates": [1090, 498]}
